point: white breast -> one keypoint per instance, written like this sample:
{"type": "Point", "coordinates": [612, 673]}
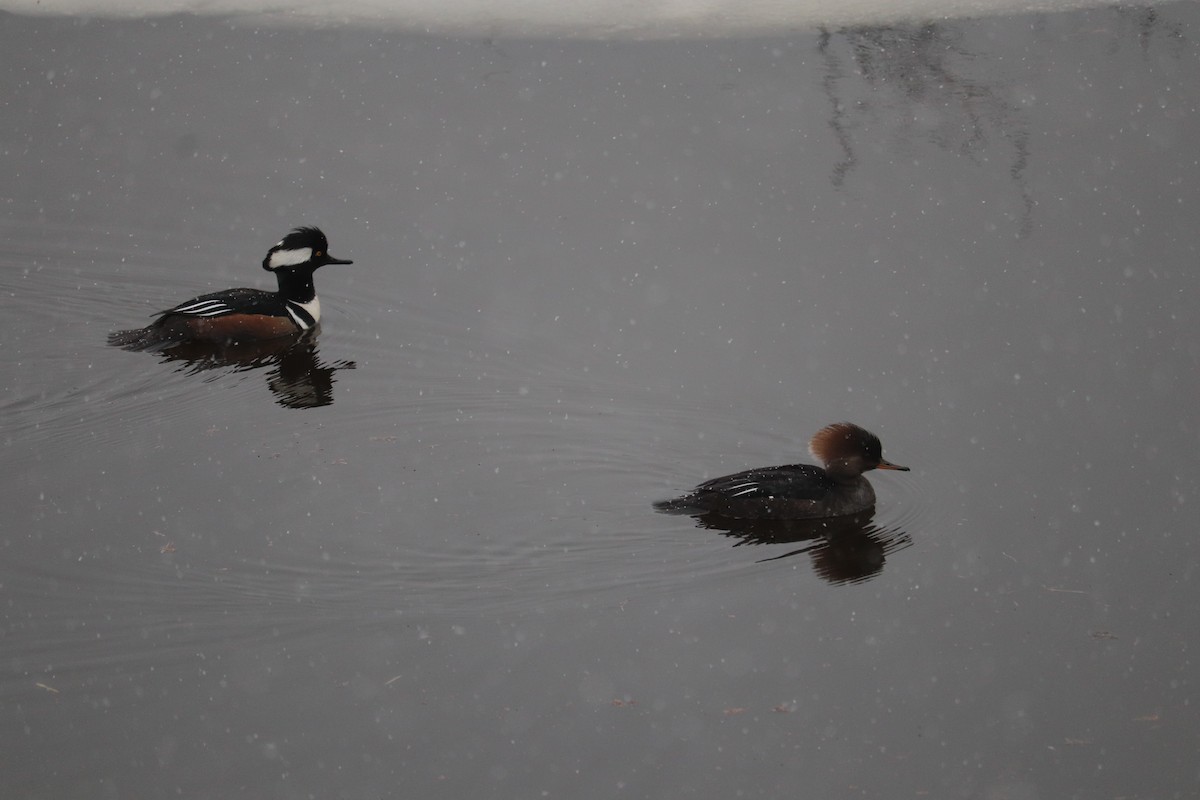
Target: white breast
{"type": "Point", "coordinates": [313, 307]}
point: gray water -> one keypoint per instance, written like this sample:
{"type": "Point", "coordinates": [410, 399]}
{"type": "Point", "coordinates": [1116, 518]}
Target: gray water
{"type": "Point", "coordinates": [416, 557]}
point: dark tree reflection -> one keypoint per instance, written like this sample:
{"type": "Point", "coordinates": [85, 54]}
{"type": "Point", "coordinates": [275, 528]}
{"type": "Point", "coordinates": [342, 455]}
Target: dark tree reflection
{"type": "Point", "coordinates": [920, 73]}
{"type": "Point", "coordinates": [941, 90]}
{"type": "Point", "coordinates": [1147, 23]}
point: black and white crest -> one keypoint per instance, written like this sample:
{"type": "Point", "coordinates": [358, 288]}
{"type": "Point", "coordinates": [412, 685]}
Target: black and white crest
{"type": "Point", "coordinates": [299, 247]}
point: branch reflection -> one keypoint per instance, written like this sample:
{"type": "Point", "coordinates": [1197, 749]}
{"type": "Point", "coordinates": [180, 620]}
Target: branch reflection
{"type": "Point", "coordinates": [926, 77]}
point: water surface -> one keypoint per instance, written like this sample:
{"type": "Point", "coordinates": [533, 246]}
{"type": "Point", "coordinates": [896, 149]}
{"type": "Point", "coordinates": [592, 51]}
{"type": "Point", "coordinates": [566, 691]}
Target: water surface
{"type": "Point", "coordinates": [418, 556]}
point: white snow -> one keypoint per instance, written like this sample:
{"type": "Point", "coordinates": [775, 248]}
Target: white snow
{"type": "Point", "coordinates": [575, 18]}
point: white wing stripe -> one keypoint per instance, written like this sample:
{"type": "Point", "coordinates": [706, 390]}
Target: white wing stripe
{"type": "Point", "coordinates": [203, 308]}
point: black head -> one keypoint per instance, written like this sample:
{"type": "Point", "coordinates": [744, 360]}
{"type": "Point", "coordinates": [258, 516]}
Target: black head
{"type": "Point", "coordinates": [303, 248]}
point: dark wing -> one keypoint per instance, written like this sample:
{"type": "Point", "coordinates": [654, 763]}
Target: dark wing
{"type": "Point", "coordinates": [795, 481]}
{"type": "Point", "coordinates": [230, 301]}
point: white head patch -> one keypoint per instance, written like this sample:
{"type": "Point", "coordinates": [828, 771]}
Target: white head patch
{"type": "Point", "coordinates": [289, 258]}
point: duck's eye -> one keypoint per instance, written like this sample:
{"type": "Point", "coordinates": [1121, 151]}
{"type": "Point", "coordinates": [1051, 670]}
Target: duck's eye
{"type": "Point", "coordinates": [319, 253]}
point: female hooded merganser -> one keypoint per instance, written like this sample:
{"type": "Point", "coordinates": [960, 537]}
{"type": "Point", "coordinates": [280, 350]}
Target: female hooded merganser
{"type": "Point", "coordinates": [797, 491]}
{"type": "Point", "coordinates": [247, 315]}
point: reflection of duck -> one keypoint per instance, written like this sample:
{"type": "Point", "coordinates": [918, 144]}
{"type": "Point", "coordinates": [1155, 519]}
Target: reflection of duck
{"type": "Point", "coordinates": [298, 379]}
{"type": "Point", "coordinates": [797, 491]}
{"type": "Point", "coordinates": [847, 549]}
{"type": "Point", "coordinates": [246, 315]}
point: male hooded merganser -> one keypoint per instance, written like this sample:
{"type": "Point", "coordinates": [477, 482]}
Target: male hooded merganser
{"type": "Point", "coordinates": [247, 315]}
{"type": "Point", "coordinates": [797, 491]}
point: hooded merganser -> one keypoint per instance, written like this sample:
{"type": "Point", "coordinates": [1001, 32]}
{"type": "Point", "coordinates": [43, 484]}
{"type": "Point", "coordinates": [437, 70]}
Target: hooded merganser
{"type": "Point", "coordinates": [797, 491]}
{"type": "Point", "coordinates": [247, 315]}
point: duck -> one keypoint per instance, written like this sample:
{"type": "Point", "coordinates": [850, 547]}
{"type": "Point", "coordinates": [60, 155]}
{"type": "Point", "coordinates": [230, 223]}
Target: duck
{"type": "Point", "coordinates": [797, 491]}
{"type": "Point", "coordinates": [234, 316]}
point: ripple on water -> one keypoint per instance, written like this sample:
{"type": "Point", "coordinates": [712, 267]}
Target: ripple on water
{"type": "Point", "coordinates": [487, 472]}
